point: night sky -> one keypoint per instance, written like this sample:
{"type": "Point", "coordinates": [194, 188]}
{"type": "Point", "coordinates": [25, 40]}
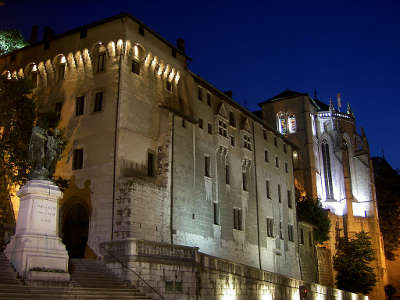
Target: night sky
{"type": "Point", "coordinates": [259, 48]}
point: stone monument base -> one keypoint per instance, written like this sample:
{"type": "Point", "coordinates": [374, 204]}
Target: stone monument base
{"type": "Point", "coordinates": [35, 250]}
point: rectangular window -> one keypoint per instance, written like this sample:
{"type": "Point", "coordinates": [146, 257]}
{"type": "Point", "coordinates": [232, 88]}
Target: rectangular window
{"type": "Point", "coordinates": [201, 123]}
{"type": "Point", "coordinates": [216, 213]}
{"type": "Point", "coordinates": [227, 174]}
{"type": "Point", "coordinates": [79, 106]}
{"type": "Point", "coordinates": [270, 227]}
{"type": "Point", "coordinates": [150, 164]}
{"type": "Point", "coordinates": [244, 180]}
{"type": "Point", "coordinates": [289, 199]}
{"type": "Point", "coordinates": [77, 159]}
{"type": "Point", "coordinates": [101, 60]}
{"type": "Point", "coordinates": [135, 67]}
{"type": "Point", "coordinates": [266, 158]}
{"type": "Point", "coordinates": [209, 100]}
{"type": "Point", "coordinates": [207, 166]}
{"type": "Point", "coordinates": [246, 142]}
{"type": "Point", "coordinates": [200, 94]}
{"type": "Point", "coordinates": [277, 161]}
{"type": "Point", "coordinates": [268, 190]}
{"type": "Point", "coordinates": [237, 219]}
{"type": "Point", "coordinates": [98, 102]}
{"type": "Point", "coordinates": [286, 167]}
{"type": "Point", "coordinates": [222, 128]}
{"type": "Point", "coordinates": [209, 128]}
{"type": "Point", "coordinates": [280, 230]}
{"type": "Point", "coordinates": [301, 236]}
{"type": "Point", "coordinates": [279, 193]}
{"type": "Point", "coordinates": [290, 233]}
{"type": "Point", "coordinates": [232, 141]}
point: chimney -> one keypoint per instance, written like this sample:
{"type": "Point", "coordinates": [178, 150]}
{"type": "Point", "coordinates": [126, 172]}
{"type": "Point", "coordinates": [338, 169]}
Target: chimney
{"type": "Point", "coordinates": [228, 93]}
{"type": "Point", "coordinates": [34, 34]}
{"type": "Point", "coordinates": [48, 33]}
{"type": "Point", "coordinates": [180, 44]}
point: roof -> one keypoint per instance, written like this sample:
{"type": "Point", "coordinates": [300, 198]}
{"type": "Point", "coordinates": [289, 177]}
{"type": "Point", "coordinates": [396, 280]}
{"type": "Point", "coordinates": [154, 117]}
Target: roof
{"type": "Point", "coordinates": [103, 21]}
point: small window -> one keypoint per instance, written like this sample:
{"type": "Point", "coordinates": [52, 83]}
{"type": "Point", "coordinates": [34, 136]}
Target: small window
{"type": "Point", "coordinates": [201, 123]}
{"type": "Point", "coordinates": [265, 134]}
{"type": "Point", "coordinates": [141, 30]}
{"type": "Point", "coordinates": [301, 241]}
{"type": "Point", "coordinates": [216, 213]}
{"type": "Point", "coordinates": [232, 141]}
{"type": "Point", "coordinates": [237, 219]}
{"type": "Point", "coordinates": [268, 189]}
{"type": "Point", "coordinates": [270, 227]}
{"type": "Point", "coordinates": [183, 123]}
{"type": "Point", "coordinates": [279, 194]}
{"type": "Point", "coordinates": [222, 129]}
{"type": "Point", "coordinates": [200, 94]}
{"type": "Point", "coordinates": [227, 174]}
{"type": "Point", "coordinates": [209, 100]}
{"type": "Point", "coordinates": [209, 128]}
{"type": "Point", "coordinates": [98, 102]}
{"type": "Point", "coordinates": [79, 106]}
{"type": "Point", "coordinates": [244, 181]}
{"type": "Point", "coordinates": [266, 157]}
{"type": "Point", "coordinates": [101, 60]}
{"type": "Point", "coordinates": [83, 33]}
{"type": "Point", "coordinates": [286, 167]}
{"type": "Point", "coordinates": [280, 230]}
{"type": "Point", "coordinates": [289, 199]}
{"type": "Point", "coordinates": [277, 161]}
{"type": "Point", "coordinates": [290, 233]}
{"type": "Point", "coordinates": [207, 166]}
{"type": "Point", "coordinates": [168, 85]}
{"type": "Point", "coordinates": [135, 67]}
{"type": "Point", "coordinates": [232, 121]}
{"type": "Point", "coordinates": [150, 164]}
{"type": "Point", "coordinates": [58, 108]}
{"type": "Point", "coordinates": [77, 159]}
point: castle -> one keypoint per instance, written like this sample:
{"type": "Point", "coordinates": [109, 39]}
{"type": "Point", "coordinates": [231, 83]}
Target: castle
{"type": "Point", "coordinates": [164, 166]}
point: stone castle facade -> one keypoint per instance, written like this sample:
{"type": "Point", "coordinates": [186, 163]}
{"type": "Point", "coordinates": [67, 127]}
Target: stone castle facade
{"type": "Point", "coordinates": [158, 157]}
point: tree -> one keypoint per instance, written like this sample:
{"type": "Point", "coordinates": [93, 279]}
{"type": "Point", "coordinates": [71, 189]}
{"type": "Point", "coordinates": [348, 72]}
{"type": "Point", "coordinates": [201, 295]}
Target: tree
{"type": "Point", "coordinates": [311, 211]}
{"type": "Point", "coordinates": [351, 262]}
{"type": "Point", "coordinates": [11, 40]}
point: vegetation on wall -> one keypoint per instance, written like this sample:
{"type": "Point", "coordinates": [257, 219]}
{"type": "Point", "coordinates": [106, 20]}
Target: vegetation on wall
{"type": "Point", "coordinates": [352, 264]}
{"type": "Point", "coordinates": [11, 40]}
{"type": "Point", "coordinates": [310, 211]}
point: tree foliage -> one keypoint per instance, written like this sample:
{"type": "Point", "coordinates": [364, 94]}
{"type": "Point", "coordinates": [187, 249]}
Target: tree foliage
{"type": "Point", "coordinates": [11, 40]}
{"type": "Point", "coordinates": [387, 183]}
{"type": "Point", "coordinates": [351, 262]}
{"type": "Point", "coordinates": [311, 211]}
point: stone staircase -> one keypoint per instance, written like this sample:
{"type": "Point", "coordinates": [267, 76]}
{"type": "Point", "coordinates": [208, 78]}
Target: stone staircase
{"type": "Point", "coordinates": [90, 279]}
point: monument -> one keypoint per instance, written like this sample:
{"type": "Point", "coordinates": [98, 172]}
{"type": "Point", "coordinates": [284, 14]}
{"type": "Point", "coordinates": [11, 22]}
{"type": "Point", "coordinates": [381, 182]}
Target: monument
{"type": "Point", "coordinates": [36, 250]}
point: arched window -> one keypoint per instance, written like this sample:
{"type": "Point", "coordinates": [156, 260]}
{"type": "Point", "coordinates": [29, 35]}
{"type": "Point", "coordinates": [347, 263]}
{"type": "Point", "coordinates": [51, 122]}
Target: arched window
{"type": "Point", "coordinates": [326, 160]}
{"type": "Point", "coordinates": [60, 64]}
{"type": "Point", "coordinates": [282, 125]}
{"type": "Point", "coordinates": [99, 58]}
{"type": "Point", "coordinates": [292, 123]}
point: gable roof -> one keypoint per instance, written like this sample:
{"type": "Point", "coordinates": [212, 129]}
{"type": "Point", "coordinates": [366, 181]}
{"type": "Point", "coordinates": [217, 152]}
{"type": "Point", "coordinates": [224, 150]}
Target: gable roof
{"type": "Point", "coordinates": [284, 95]}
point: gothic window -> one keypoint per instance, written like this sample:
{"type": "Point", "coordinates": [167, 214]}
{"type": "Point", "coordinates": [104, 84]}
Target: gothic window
{"type": "Point", "coordinates": [292, 123]}
{"type": "Point", "coordinates": [237, 219]}
{"type": "Point", "coordinates": [286, 123]}
{"type": "Point", "coordinates": [282, 127]}
{"type": "Point", "coordinates": [222, 129]}
{"type": "Point", "coordinates": [270, 227]}
{"type": "Point", "coordinates": [326, 160]}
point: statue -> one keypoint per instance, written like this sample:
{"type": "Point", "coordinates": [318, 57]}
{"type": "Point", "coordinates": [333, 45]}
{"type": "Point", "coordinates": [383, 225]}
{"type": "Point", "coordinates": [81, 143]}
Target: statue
{"type": "Point", "coordinates": [44, 152]}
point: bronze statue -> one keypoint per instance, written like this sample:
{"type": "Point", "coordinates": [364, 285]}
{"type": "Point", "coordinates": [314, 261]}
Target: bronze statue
{"type": "Point", "coordinates": [44, 152]}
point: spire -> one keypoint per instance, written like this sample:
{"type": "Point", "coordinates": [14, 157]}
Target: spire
{"type": "Point", "coordinates": [349, 110]}
{"type": "Point", "coordinates": [331, 107]}
{"type": "Point", "coordinates": [339, 101]}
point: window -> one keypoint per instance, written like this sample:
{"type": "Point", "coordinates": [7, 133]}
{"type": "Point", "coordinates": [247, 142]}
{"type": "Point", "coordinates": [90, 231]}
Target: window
{"type": "Point", "coordinates": [200, 94]}
{"type": "Point", "coordinates": [327, 170]}
{"type": "Point", "coordinates": [83, 33]}
{"type": "Point", "coordinates": [244, 181]}
{"type": "Point", "coordinates": [286, 167]}
{"type": "Point", "coordinates": [209, 100]}
{"type": "Point", "coordinates": [284, 148]}
{"type": "Point", "coordinates": [237, 219]}
{"type": "Point", "coordinates": [207, 166]}
{"type": "Point", "coordinates": [227, 174]}
{"type": "Point", "coordinates": [279, 193]}
{"type": "Point", "coordinates": [168, 85]}
{"type": "Point", "coordinates": [98, 102]}
{"type": "Point", "coordinates": [267, 189]}
{"type": "Point", "coordinates": [289, 198]}
{"type": "Point", "coordinates": [58, 108]}
{"type": "Point", "coordinates": [150, 164]}
{"type": "Point", "coordinates": [310, 239]}
{"type": "Point", "coordinates": [280, 230]}
{"type": "Point", "coordinates": [277, 161]}
{"type": "Point", "coordinates": [209, 128]}
{"type": "Point", "coordinates": [232, 141]}
{"type": "Point", "coordinates": [292, 123]}
{"type": "Point", "coordinates": [232, 121]}
{"type": "Point", "coordinates": [266, 158]}
{"type": "Point", "coordinates": [201, 123]}
{"type": "Point", "coordinates": [77, 159]}
{"type": "Point", "coordinates": [101, 59]}
{"type": "Point", "coordinates": [183, 123]}
{"type": "Point", "coordinates": [216, 213]}
{"type": "Point", "coordinates": [265, 134]}
{"type": "Point", "coordinates": [222, 129]}
{"type": "Point", "coordinates": [141, 30]}
{"type": "Point", "coordinates": [290, 233]}
{"type": "Point", "coordinates": [135, 67]}
{"type": "Point", "coordinates": [301, 241]}
{"type": "Point", "coordinates": [246, 142]}
{"type": "Point", "coordinates": [60, 72]}
{"type": "Point", "coordinates": [79, 106]}
{"type": "Point", "coordinates": [270, 227]}
{"type": "Point", "coordinates": [282, 127]}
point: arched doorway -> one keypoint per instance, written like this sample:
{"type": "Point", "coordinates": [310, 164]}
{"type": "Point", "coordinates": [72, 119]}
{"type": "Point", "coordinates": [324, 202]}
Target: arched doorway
{"type": "Point", "coordinates": [75, 228]}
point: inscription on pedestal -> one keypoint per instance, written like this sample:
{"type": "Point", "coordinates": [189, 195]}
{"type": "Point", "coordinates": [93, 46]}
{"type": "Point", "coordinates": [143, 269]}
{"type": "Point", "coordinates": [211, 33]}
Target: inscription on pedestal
{"type": "Point", "coordinates": [45, 213]}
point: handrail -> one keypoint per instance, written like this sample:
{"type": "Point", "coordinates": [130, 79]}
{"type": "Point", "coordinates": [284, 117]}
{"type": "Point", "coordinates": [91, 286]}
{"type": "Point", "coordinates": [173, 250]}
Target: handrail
{"type": "Point", "coordinates": [133, 271]}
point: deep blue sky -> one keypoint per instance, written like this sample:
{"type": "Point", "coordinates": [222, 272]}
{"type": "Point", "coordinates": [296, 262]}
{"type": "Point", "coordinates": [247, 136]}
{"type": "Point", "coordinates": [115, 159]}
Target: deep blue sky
{"type": "Point", "coordinates": [259, 48]}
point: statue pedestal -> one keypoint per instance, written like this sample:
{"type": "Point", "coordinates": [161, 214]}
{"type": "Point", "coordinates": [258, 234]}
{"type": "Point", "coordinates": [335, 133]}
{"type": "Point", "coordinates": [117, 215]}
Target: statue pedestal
{"type": "Point", "coordinates": [35, 247]}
